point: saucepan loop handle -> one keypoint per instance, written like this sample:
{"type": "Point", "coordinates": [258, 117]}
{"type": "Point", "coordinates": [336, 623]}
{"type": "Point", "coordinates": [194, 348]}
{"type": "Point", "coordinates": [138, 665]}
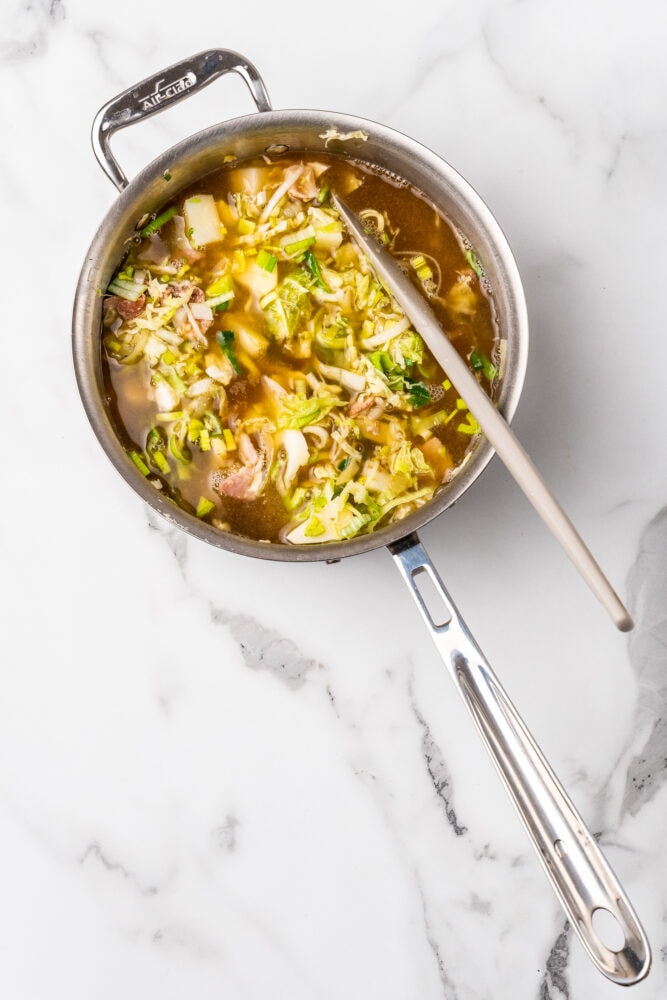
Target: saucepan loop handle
{"type": "Point", "coordinates": [162, 90]}
{"type": "Point", "coordinates": [572, 859]}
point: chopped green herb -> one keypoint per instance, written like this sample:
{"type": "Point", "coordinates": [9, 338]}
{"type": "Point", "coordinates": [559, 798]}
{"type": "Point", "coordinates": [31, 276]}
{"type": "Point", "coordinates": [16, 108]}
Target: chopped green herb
{"type": "Point", "coordinates": [166, 175]}
{"type": "Point", "coordinates": [314, 268]}
{"type": "Point", "coordinates": [419, 394]}
{"type": "Point", "coordinates": [226, 338]}
{"type": "Point", "coordinates": [473, 260]}
{"type": "Point", "coordinates": [480, 363]}
{"type": "Point", "coordinates": [382, 361]}
{"type": "Point", "coordinates": [155, 440]}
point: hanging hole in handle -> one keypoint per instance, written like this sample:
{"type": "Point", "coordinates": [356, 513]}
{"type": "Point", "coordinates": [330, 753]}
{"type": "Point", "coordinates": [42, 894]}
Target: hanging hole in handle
{"type": "Point", "coordinates": [560, 848]}
{"type": "Point", "coordinates": [608, 929]}
{"type": "Point", "coordinates": [431, 598]}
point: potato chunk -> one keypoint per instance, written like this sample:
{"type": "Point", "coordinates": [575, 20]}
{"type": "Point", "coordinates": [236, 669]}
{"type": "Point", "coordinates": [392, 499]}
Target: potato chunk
{"type": "Point", "coordinates": [202, 221]}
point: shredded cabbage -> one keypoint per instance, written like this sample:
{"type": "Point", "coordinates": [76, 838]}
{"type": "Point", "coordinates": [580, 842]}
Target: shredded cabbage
{"type": "Point", "coordinates": [275, 360]}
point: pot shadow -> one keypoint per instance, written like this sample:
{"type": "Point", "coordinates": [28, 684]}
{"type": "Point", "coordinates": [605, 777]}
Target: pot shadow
{"type": "Point", "coordinates": [647, 593]}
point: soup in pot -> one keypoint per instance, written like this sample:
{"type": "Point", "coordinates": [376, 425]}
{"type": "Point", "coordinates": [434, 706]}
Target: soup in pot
{"type": "Point", "coordinates": [259, 374]}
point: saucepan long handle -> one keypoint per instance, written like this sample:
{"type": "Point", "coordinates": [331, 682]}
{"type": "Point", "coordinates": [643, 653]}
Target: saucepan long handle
{"type": "Point", "coordinates": [164, 89]}
{"type": "Point", "coordinates": [572, 859]}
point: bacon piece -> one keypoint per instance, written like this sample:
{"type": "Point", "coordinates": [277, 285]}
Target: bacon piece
{"type": "Point", "coordinates": [123, 307]}
{"type": "Point", "coordinates": [362, 404]}
{"type": "Point", "coordinates": [237, 484]}
{"type": "Point", "coordinates": [248, 482]}
{"type": "Point", "coordinates": [178, 289]}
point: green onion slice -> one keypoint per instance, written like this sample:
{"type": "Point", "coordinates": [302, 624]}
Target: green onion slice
{"type": "Point", "coordinates": [139, 462]}
{"type": "Point", "coordinates": [126, 289]}
{"type": "Point", "coordinates": [160, 220]}
{"type": "Point", "coordinates": [480, 363]}
{"type": "Point", "coordinates": [295, 248]}
{"type": "Point", "coordinates": [266, 261]}
{"type": "Point", "coordinates": [204, 507]}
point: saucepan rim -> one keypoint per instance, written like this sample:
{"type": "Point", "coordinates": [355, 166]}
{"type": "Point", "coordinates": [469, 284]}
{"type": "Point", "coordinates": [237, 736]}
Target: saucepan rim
{"type": "Point", "coordinates": [172, 170]}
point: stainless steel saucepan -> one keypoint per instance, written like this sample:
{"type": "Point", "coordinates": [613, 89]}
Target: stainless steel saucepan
{"type": "Point", "coordinates": [577, 869]}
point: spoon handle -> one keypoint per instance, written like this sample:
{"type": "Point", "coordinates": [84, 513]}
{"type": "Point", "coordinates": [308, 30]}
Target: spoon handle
{"type": "Point", "coordinates": [493, 424]}
{"type": "Point", "coordinates": [571, 857]}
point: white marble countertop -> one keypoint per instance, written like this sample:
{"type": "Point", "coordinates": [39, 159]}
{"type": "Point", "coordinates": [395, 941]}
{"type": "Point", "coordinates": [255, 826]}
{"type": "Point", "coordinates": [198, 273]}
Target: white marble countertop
{"type": "Point", "coordinates": [224, 777]}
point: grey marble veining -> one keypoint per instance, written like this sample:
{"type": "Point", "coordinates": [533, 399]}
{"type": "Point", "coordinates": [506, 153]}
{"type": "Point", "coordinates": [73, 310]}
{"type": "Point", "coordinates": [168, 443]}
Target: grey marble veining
{"type": "Point", "coordinates": [647, 770]}
{"type": "Point", "coordinates": [555, 986]}
{"type": "Point", "coordinates": [220, 776]}
{"type": "Point", "coordinates": [27, 28]}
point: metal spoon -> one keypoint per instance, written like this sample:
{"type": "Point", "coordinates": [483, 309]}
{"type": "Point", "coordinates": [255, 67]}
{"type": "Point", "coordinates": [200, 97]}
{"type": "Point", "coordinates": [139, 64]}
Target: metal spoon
{"type": "Point", "coordinates": [576, 867]}
{"type": "Point", "coordinates": [491, 421]}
